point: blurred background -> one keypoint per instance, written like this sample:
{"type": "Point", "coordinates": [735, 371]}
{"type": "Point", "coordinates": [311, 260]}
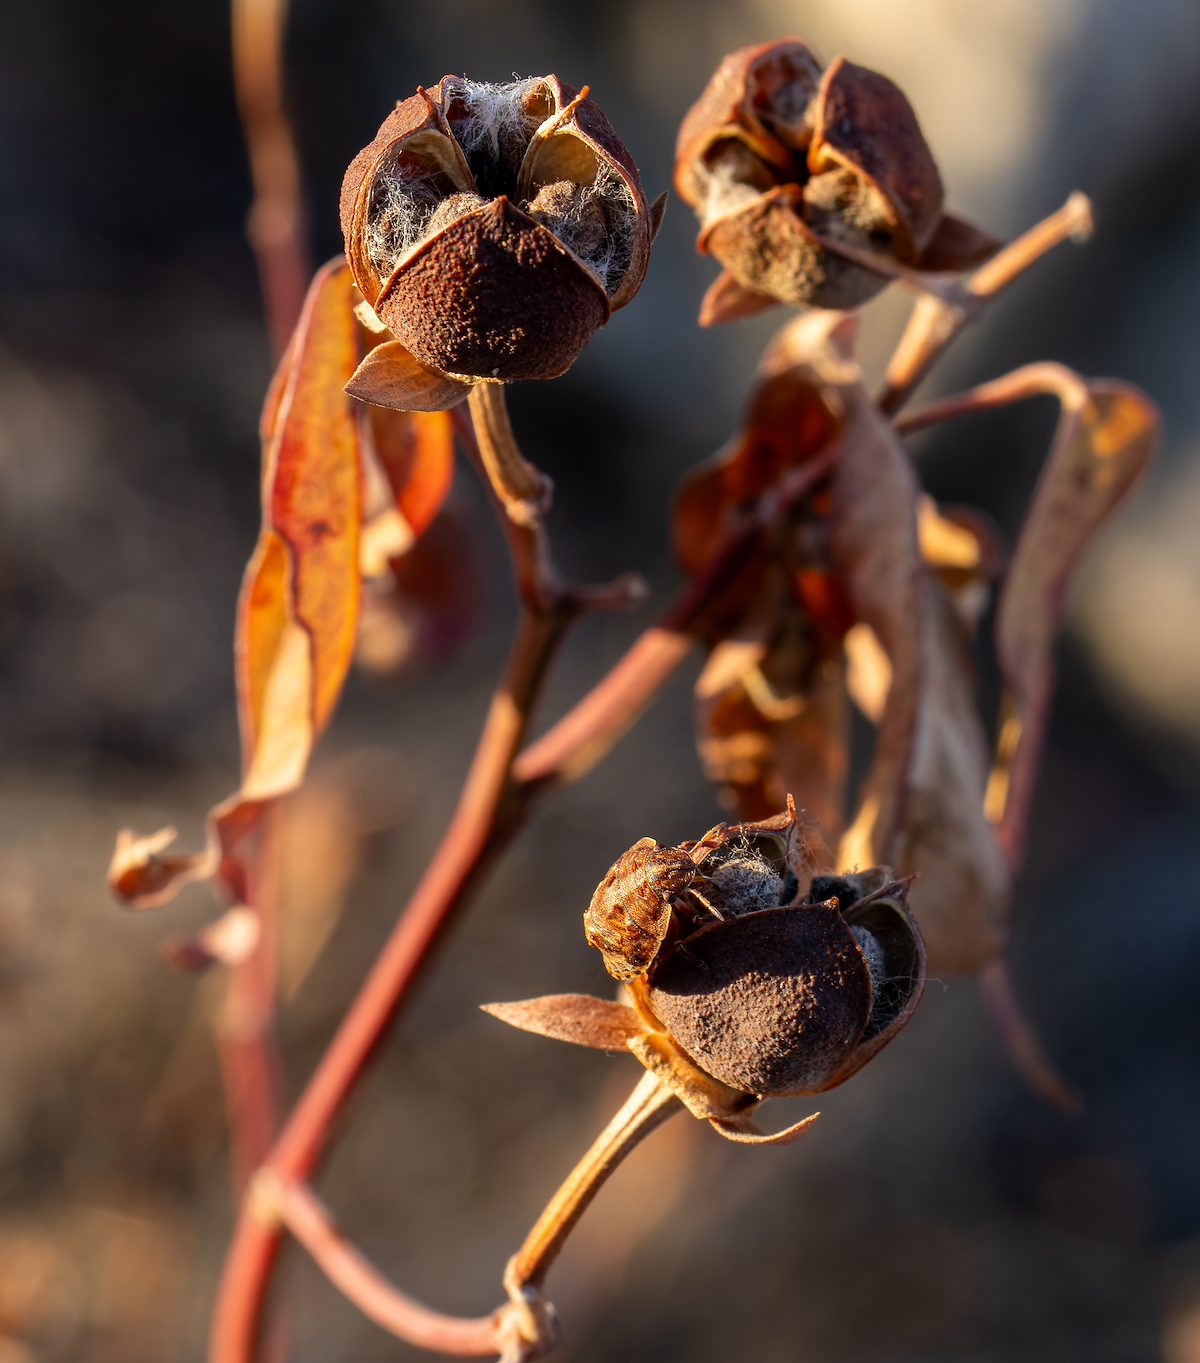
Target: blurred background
{"type": "Point", "coordinates": [937, 1211]}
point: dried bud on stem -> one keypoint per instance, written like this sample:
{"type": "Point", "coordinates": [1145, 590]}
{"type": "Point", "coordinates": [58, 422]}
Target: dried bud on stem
{"type": "Point", "coordinates": [791, 984]}
{"type": "Point", "coordinates": [812, 185]}
{"type": "Point", "coordinates": [491, 229]}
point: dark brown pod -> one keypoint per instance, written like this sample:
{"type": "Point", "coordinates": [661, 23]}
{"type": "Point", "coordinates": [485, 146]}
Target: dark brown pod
{"type": "Point", "coordinates": [494, 228]}
{"type": "Point", "coordinates": [792, 1000]}
{"type": "Point", "coordinates": [795, 172]}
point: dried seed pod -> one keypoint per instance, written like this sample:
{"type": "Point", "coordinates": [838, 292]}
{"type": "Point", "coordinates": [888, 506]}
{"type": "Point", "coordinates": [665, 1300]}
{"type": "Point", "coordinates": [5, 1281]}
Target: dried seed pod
{"type": "Point", "coordinates": [795, 999]}
{"type": "Point", "coordinates": [493, 229]}
{"type": "Point", "coordinates": [795, 170]}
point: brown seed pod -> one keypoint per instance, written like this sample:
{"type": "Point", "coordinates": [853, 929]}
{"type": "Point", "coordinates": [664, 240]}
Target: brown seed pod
{"type": "Point", "coordinates": [794, 170]}
{"type": "Point", "coordinates": [493, 228]}
{"type": "Point", "coordinates": [794, 1000]}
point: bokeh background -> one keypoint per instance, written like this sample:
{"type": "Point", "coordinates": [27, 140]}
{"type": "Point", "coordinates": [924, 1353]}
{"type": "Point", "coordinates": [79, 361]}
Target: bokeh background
{"type": "Point", "coordinates": [937, 1211]}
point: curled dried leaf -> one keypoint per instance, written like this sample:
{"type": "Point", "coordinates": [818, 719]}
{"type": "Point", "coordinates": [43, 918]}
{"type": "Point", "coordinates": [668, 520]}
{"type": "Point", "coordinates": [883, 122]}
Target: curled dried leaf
{"type": "Point", "coordinates": [1103, 444]}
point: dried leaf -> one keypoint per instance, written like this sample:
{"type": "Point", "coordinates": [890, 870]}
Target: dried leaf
{"type": "Point", "coordinates": [298, 610]}
{"type": "Point", "coordinates": [578, 1018]}
{"type": "Point", "coordinates": [771, 720]}
{"type": "Point", "coordinates": [874, 550]}
{"type": "Point", "coordinates": [725, 300]}
{"type": "Point", "coordinates": [793, 416]}
{"type": "Point", "coordinates": [391, 377]}
{"type": "Point", "coordinates": [961, 895]}
{"type": "Point", "coordinates": [416, 454]}
{"type": "Point", "coordinates": [744, 1131]}
{"type": "Point", "coordinates": [143, 878]}
{"type": "Point", "coordinates": [1104, 441]}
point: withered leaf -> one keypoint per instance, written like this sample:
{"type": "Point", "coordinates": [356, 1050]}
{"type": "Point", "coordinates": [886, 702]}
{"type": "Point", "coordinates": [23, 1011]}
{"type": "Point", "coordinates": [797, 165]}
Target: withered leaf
{"type": "Point", "coordinates": [744, 1132]}
{"type": "Point", "coordinates": [875, 553]}
{"type": "Point", "coordinates": [577, 1018]}
{"type": "Point", "coordinates": [298, 610]}
{"type": "Point", "coordinates": [771, 719]}
{"type": "Point", "coordinates": [392, 377]}
{"type": "Point", "coordinates": [416, 454]}
{"type": "Point", "coordinates": [1104, 441]}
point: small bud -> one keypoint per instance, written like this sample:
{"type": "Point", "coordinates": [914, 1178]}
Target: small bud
{"type": "Point", "coordinates": [794, 169]}
{"type": "Point", "coordinates": [493, 229]}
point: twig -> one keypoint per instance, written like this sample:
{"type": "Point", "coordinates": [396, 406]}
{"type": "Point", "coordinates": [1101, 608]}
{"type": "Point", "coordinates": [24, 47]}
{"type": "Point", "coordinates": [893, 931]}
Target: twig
{"type": "Point", "coordinates": [482, 822]}
{"type": "Point", "coordinates": [936, 321]}
{"type": "Point", "coordinates": [276, 222]}
{"type": "Point", "coordinates": [470, 838]}
{"type": "Point", "coordinates": [244, 1028]}
{"type": "Point", "coordinates": [647, 1107]}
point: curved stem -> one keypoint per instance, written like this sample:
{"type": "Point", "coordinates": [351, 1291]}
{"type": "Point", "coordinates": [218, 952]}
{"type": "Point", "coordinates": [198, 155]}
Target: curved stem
{"type": "Point", "coordinates": [1030, 381]}
{"type": "Point", "coordinates": [647, 1107]}
{"type": "Point", "coordinates": [524, 491]}
{"type": "Point", "coordinates": [363, 1284]}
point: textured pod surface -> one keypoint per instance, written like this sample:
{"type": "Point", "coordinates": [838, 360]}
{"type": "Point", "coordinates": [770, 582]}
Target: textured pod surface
{"type": "Point", "coordinates": [494, 295]}
{"type": "Point", "coordinates": [772, 1003]}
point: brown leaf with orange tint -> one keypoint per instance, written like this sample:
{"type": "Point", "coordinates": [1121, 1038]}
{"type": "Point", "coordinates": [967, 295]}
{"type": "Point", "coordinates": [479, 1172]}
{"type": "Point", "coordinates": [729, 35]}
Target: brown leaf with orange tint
{"type": "Point", "coordinates": [771, 719]}
{"type": "Point", "coordinates": [1103, 443]}
{"type": "Point", "coordinates": [298, 610]}
{"type": "Point", "coordinates": [875, 554]}
{"type": "Point", "coordinates": [142, 874]}
{"type": "Point", "coordinates": [416, 454]}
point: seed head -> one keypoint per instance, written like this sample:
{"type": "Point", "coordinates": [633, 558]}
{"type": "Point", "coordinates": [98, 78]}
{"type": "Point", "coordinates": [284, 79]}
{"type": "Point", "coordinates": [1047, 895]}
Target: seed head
{"type": "Point", "coordinates": [494, 228]}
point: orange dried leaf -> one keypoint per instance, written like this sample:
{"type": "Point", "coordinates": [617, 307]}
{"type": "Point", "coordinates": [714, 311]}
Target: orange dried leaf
{"type": "Point", "coordinates": [415, 452]}
{"type": "Point", "coordinates": [143, 877]}
{"type": "Point", "coordinates": [299, 605]}
{"type": "Point", "coordinates": [771, 720]}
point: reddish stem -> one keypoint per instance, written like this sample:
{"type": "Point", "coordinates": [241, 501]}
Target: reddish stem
{"type": "Point", "coordinates": [275, 225]}
{"type": "Point", "coordinates": [471, 836]}
{"type": "Point", "coordinates": [363, 1284]}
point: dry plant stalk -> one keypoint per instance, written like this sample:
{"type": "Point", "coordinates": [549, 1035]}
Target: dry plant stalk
{"type": "Point", "coordinates": [490, 230]}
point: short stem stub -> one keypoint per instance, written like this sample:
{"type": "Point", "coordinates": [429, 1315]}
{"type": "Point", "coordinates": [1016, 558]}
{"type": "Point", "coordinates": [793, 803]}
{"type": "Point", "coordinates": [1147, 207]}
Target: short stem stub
{"type": "Point", "coordinates": [524, 491]}
{"type": "Point", "coordinates": [647, 1107]}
